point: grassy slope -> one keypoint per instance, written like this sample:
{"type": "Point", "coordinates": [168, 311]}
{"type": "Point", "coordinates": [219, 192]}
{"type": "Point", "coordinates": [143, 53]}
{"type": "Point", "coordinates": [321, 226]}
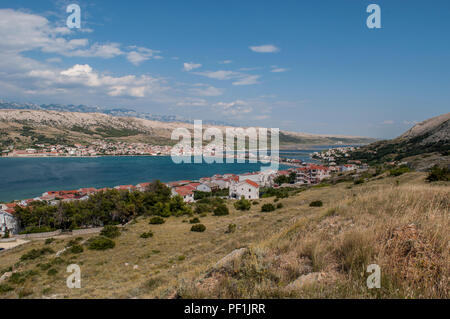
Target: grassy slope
{"type": "Point", "coordinates": [357, 225]}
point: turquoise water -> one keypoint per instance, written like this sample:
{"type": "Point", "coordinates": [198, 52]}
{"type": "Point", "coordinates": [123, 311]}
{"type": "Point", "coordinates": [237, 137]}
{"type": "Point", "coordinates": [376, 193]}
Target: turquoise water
{"type": "Point", "coordinates": [22, 178]}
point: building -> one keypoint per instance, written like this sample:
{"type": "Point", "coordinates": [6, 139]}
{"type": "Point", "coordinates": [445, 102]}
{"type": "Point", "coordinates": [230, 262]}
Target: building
{"type": "Point", "coordinates": [184, 191]}
{"type": "Point", "coordinates": [248, 189]}
{"type": "Point", "coordinates": [8, 221]}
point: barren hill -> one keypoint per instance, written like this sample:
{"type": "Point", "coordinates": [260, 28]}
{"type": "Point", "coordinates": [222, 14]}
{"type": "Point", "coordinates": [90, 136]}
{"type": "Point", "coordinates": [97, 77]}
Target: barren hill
{"type": "Point", "coordinates": [24, 128]}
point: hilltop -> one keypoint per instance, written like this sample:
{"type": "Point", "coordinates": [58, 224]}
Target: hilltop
{"type": "Point", "coordinates": [423, 146]}
{"type": "Point", "coordinates": [25, 127]}
{"type": "Point", "coordinates": [297, 251]}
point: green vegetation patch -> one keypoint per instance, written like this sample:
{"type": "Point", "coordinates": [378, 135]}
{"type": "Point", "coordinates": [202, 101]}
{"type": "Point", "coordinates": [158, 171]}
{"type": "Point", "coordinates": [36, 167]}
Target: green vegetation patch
{"type": "Point", "coordinates": [198, 228]}
{"type": "Point", "coordinates": [100, 243]}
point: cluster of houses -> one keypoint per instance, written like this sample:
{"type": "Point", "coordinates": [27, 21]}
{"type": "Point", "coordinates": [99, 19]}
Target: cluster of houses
{"type": "Point", "coordinates": [97, 148]}
{"type": "Point", "coordinates": [245, 185]}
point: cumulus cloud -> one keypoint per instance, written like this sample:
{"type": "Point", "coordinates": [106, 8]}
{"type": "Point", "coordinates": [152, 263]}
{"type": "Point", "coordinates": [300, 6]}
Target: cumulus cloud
{"type": "Point", "coordinates": [140, 54]}
{"type": "Point", "coordinates": [189, 66]}
{"type": "Point", "coordinates": [267, 48]}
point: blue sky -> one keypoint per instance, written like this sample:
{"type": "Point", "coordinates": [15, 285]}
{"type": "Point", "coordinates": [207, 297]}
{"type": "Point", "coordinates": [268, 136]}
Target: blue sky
{"type": "Point", "coordinates": [307, 66]}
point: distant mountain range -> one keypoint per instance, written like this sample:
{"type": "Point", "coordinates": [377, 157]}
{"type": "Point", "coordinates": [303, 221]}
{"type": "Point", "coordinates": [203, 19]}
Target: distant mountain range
{"type": "Point", "coordinates": [122, 112]}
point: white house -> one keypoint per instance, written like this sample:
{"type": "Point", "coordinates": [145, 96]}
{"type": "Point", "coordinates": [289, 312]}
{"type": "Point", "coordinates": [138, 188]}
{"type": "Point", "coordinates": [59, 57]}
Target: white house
{"type": "Point", "coordinates": [249, 189]}
{"type": "Point", "coordinates": [184, 191]}
{"type": "Point", "coordinates": [8, 221]}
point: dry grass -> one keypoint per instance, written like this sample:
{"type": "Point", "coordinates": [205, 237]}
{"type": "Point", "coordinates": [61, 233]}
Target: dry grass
{"type": "Point", "coordinates": [296, 251]}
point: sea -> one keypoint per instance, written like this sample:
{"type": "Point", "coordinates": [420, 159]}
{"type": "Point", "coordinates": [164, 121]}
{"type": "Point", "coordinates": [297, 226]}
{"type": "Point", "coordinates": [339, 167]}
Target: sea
{"type": "Point", "coordinates": [23, 178]}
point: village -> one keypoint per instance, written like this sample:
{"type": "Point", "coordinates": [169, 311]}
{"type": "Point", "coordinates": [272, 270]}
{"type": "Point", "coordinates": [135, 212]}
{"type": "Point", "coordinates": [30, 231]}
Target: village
{"type": "Point", "coordinates": [97, 148]}
{"type": "Point", "coordinates": [231, 186]}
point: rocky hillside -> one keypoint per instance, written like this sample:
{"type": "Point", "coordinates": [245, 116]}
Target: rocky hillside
{"type": "Point", "coordinates": [424, 145]}
{"type": "Point", "coordinates": [24, 128]}
{"type": "Point", "coordinates": [297, 251]}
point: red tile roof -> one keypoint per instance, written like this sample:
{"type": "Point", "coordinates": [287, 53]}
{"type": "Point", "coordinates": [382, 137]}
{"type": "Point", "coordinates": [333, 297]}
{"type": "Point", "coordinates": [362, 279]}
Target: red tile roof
{"type": "Point", "coordinates": [252, 183]}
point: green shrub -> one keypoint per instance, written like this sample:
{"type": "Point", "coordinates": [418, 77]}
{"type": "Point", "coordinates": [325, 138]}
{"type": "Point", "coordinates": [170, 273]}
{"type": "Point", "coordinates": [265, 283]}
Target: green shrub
{"type": "Point", "coordinates": [48, 241]}
{"type": "Point", "coordinates": [438, 174]}
{"type": "Point", "coordinates": [201, 208]}
{"type": "Point", "coordinates": [52, 272]}
{"type": "Point", "coordinates": [35, 253]}
{"type": "Point", "coordinates": [4, 288]}
{"type": "Point", "coordinates": [358, 181]}
{"type": "Point", "coordinates": [147, 234]}
{"type": "Point", "coordinates": [231, 228]}
{"type": "Point", "coordinates": [194, 220]}
{"type": "Point", "coordinates": [316, 203]}
{"type": "Point", "coordinates": [181, 258]}
{"type": "Point", "coordinates": [110, 231]}
{"type": "Point", "coordinates": [276, 199]}
{"type": "Point", "coordinates": [6, 234]}
{"type": "Point", "coordinates": [267, 207]}
{"type": "Point", "coordinates": [279, 205]}
{"type": "Point", "coordinates": [255, 202]}
{"type": "Point", "coordinates": [399, 170]}
{"type": "Point", "coordinates": [46, 266]}
{"type": "Point", "coordinates": [221, 210]}
{"type": "Point", "coordinates": [198, 228]}
{"type": "Point", "coordinates": [20, 277]}
{"type": "Point", "coordinates": [36, 229]}
{"type": "Point", "coordinates": [76, 249]}
{"type": "Point", "coordinates": [242, 204]}
{"type": "Point", "coordinates": [157, 220]}
{"type": "Point", "coordinates": [100, 243]}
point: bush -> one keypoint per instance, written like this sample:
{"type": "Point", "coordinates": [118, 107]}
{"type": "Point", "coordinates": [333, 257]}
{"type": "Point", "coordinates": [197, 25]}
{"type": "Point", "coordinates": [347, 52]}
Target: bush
{"type": "Point", "coordinates": [267, 207]}
{"type": "Point", "coordinates": [35, 253]}
{"type": "Point", "coordinates": [76, 249]}
{"type": "Point", "coordinates": [110, 231]}
{"type": "Point", "coordinates": [6, 234]}
{"type": "Point", "coordinates": [198, 228]}
{"type": "Point", "coordinates": [157, 220]}
{"type": "Point", "coordinates": [48, 241]}
{"type": "Point", "coordinates": [399, 170]}
{"type": "Point", "coordinates": [242, 204]}
{"type": "Point", "coordinates": [221, 210]}
{"type": "Point", "coordinates": [316, 203]}
{"type": "Point", "coordinates": [201, 208]}
{"type": "Point", "coordinates": [439, 174]}
{"type": "Point", "coordinates": [100, 243]}
{"type": "Point", "coordinates": [52, 272]}
{"type": "Point", "coordinates": [255, 202]}
{"type": "Point", "coordinates": [194, 220]}
{"type": "Point", "coordinates": [358, 181]}
{"type": "Point", "coordinates": [4, 288]}
{"type": "Point", "coordinates": [36, 229]}
{"type": "Point", "coordinates": [231, 228]}
{"type": "Point", "coordinates": [147, 234]}
{"type": "Point", "coordinates": [279, 205]}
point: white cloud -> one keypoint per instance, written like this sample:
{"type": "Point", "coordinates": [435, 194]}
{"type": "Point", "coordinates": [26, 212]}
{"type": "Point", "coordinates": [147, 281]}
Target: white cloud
{"type": "Point", "coordinates": [139, 55]}
{"type": "Point", "coordinates": [192, 102]}
{"type": "Point", "coordinates": [247, 80]}
{"type": "Point", "coordinates": [238, 77]}
{"type": "Point", "coordinates": [225, 62]}
{"type": "Point", "coordinates": [387, 122]}
{"type": "Point", "coordinates": [279, 70]}
{"type": "Point", "coordinates": [206, 91]}
{"type": "Point", "coordinates": [191, 66]}
{"type": "Point", "coordinates": [267, 48]}
{"type": "Point", "coordinates": [410, 122]}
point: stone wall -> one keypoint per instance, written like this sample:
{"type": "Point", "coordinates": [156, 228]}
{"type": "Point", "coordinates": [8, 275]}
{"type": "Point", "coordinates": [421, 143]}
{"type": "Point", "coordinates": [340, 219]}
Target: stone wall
{"type": "Point", "coordinates": [39, 235]}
